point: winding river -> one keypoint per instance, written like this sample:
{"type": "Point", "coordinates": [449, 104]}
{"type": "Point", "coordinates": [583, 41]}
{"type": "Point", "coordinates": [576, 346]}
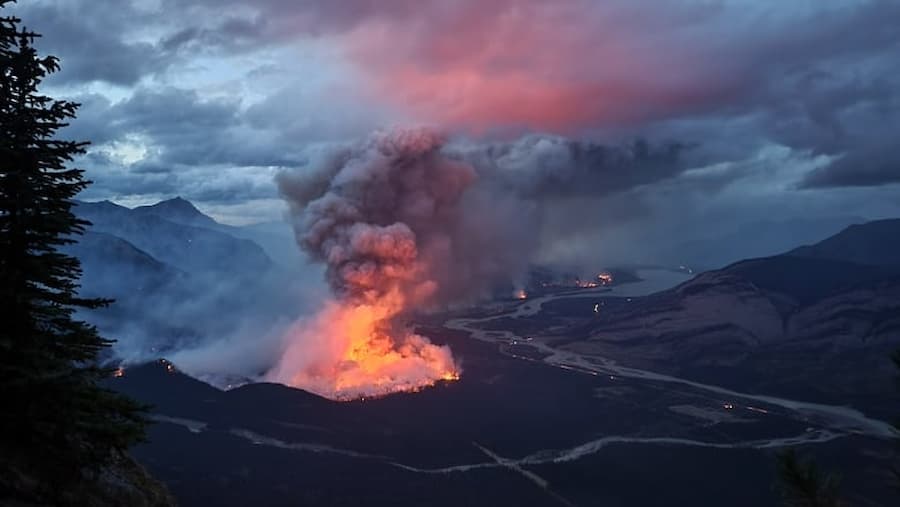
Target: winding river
{"type": "Point", "coordinates": [844, 420]}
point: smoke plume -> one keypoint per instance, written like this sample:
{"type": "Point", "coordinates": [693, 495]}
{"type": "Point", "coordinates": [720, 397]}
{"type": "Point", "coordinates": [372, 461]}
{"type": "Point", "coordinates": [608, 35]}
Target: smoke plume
{"type": "Point", "coordinates": [401, 226]}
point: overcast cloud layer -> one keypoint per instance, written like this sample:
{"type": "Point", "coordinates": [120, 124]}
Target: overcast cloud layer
{"type": "Point", "coordinates": [749, 109]}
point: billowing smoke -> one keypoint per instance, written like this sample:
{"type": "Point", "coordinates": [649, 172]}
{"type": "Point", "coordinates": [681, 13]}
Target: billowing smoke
{"type": "Point", "coordinates": [401, 226]}
{"type": "Point", "coordinates": [400, 223]}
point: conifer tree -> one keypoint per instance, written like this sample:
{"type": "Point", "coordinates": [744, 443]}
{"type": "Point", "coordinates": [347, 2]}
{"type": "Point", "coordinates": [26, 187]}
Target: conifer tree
{"type": "Point", "coordinates": [52, 407]}
{"type": "Point", "coordinates": [802, 484]}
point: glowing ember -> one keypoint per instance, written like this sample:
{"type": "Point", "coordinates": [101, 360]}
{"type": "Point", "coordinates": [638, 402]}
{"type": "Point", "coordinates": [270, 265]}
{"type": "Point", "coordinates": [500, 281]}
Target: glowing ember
{"type": "Point", "coordinates": [605, 278]}
{"type": "Point", "coordinates": [170, 368]}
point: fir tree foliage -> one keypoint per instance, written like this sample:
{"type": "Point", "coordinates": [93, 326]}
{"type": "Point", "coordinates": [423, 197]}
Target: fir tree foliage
{"type": "Point", "coordinates": [803, 485]}
{"type": "Point", "coordinates": [52, 404]}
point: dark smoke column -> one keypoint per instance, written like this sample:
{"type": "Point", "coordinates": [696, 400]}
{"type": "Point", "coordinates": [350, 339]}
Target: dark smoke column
{"type": "Point", "coordinates": [399, 228]}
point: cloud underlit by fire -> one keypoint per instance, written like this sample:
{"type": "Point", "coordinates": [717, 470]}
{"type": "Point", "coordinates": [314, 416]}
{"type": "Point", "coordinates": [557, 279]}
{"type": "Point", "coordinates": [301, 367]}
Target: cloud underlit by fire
{"type": "Point", "coordinates": [557, 66]}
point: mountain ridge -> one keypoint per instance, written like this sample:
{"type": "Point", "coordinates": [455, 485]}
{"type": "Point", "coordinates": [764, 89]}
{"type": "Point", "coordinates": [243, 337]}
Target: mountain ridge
{"type": "Point", "coordinates": [179, 210]}
{"type": "Point", "coordinates": [874, 243]}
{"type": "Point", "coordinates": [759, 322]}
{"type": "Point", "coordinates": [188, 247]}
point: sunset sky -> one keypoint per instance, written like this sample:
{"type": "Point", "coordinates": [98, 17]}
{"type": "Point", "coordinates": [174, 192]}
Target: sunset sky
{"type": "Point", "coordinates": [786, 107]}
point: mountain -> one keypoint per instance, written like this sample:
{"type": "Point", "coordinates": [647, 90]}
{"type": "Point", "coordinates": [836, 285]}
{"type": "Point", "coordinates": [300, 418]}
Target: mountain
{"type": "Point", "coordinates": [806, 279]}
{"type": "Point", "coordinates": [818, 322]}
{"type": "Point", "coordinates": [874, 243]}
{"type": "Point", "coordinates": [754, 239]}
{"type": "Point", "coordinates": [179, 211]}
{"type": "Point", "coordinates": [179, 280]}
{"type": "Point", "coordinates": [142, 288]}
{"type": "Point", "coordinates": [107, 260]}
{"type": "Point", "coordinates": [275, 238]}
{"type": "Point", "coordinates": [187, 247]}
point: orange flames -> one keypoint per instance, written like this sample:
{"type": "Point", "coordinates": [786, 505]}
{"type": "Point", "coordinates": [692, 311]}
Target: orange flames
{"type": "Point", "coordinates": [384, 226]}
{"type": "Point", "coordinates": [350, 351]}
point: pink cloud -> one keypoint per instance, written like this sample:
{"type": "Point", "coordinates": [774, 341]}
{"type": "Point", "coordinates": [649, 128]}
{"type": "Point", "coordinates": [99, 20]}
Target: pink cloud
{"type": "Point", "coordinates": [556, 66]}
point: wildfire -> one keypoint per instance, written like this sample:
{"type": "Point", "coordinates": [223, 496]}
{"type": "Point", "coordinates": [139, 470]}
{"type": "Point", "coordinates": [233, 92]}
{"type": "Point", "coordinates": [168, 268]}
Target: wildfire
{"type": "Point", "coordinates": [170, 368]}
{"type": "Point", "coordinates": [605, 278]}
{"type": "Point", "coordinates": [521, 294]}
{"type": "Point", "coordinates": [387, 220]}
{"type": "Point", "coordinates": [360, 354]}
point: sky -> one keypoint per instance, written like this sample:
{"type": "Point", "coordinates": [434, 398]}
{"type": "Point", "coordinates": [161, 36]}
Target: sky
{"type": "Point", "coordinates": [721, 111]}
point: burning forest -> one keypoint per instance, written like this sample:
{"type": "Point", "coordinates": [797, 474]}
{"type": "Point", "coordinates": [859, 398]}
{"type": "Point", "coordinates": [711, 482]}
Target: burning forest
{"type": "Point", "coordinates": [400, 228]}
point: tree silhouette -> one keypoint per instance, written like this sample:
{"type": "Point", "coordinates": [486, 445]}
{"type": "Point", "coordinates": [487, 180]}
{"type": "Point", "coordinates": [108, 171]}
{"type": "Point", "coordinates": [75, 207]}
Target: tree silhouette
{"type": "Point", "coordinates": [895, 467]}
{"type": "Point", "coordinates": [803, 485]}
{"type": "Point", "coordinates": [53, 414]}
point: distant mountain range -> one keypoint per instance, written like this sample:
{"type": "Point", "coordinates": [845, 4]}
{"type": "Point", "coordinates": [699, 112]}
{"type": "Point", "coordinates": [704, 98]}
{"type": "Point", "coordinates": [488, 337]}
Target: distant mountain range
{"type": "Point", "coordinates": [180, 211]}
{"type": "Point", "coordinates": [754, 239]}
{"type": "Point", "coordinates": [275, 238]}
{"type": "Point", "coordinates": [178, 277]}
{"type": "Point", "coordinates": [176, 233]}
{"type": "Point", "coordinates": [874, 243]}
{"type": "Point", "coordinates": [818, 321]}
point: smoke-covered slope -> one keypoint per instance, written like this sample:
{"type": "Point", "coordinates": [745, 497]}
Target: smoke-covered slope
{"type": "Point", "coordinates": [275, 238]}
{"type": "Point", "coordinates": [176, 286]}
{"type": "Point", "coordinates": [108, 261]}
{"type": "Point", "coordinates": [186, 247]}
